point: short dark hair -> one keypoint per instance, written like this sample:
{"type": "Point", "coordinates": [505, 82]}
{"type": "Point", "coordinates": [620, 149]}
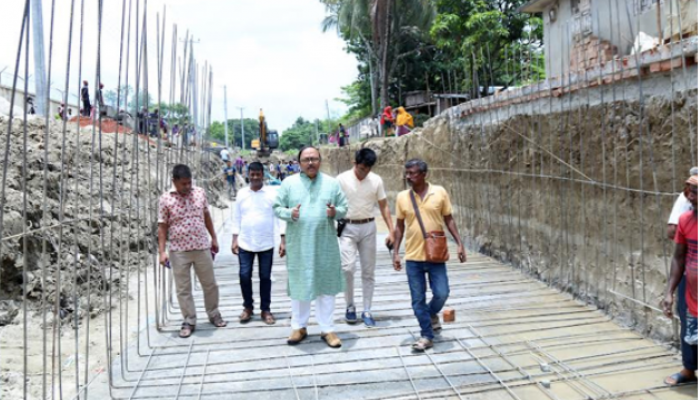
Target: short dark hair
{"type": "Point", "coordinates": [308, 147]}
{"type": "Point", "coordinates": [417, 162]}
{"type": "Point", "coordinates": [256, 166]}
{"type": "Point", "coordinates": [366, 156]}
{"type": "Point", "coordinates": [181, 171]}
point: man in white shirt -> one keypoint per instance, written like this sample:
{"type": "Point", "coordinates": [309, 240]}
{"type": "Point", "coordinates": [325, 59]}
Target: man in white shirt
{"type": "Point", "coordinates": [681, 206]}
{"type": "Point", "coordinates": [225, 156]}
{"type": "Point", "coordinates": [254, 227]}
{"type": "Point", "coordinates": [363, 189]}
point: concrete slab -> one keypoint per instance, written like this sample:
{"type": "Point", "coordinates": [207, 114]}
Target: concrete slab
{"type": "Point", "coordinates": [513, 338]}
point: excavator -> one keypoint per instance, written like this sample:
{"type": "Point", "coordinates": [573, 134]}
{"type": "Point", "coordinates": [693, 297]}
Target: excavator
{"type": "Point", "coordinates": [267, 140]}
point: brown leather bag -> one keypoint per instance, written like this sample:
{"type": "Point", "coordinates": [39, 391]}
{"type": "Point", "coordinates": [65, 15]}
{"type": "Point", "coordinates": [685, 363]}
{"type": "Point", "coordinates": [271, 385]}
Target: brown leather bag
{"type": "Point", "coordinates": [435, 242]}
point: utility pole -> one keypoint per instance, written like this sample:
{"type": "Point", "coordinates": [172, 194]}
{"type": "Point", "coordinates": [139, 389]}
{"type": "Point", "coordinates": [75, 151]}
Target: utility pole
{"type": "Point", "coordinates": [225, 118]}
{"type": "Point", "coordinates": [318, 137]}
{"type": "Point", "coordinates": [242, 129]}
{"type": "Point", "coordinates": [39, 64]}
{"type": "Point", "coordinates": [328, 110]}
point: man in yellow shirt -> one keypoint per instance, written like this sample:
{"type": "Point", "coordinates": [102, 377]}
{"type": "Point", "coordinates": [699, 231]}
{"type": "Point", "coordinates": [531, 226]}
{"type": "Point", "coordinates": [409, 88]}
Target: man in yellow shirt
{"type": "Point", "coordinates": [435, 209]}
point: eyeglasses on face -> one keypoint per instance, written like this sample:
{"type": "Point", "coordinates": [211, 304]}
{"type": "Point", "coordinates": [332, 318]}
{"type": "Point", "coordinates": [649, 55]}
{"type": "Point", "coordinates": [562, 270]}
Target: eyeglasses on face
{"type": "Point", "coordinates": [310, 160]}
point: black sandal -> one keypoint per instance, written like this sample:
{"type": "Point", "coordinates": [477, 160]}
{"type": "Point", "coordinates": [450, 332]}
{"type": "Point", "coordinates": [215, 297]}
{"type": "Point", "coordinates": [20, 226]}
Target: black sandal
{"type": "Point", "coordinates": [186, 330]}
{"type": "Point", "coordinates": [218, 322]}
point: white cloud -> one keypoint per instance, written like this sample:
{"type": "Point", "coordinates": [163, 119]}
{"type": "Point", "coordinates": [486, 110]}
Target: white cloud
{"type": "Point", "coordinates": [270, 53]}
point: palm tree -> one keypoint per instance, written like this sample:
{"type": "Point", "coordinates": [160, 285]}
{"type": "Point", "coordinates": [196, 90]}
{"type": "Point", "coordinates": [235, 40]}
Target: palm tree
{"type": "Point", "coordinates": [380, 26]}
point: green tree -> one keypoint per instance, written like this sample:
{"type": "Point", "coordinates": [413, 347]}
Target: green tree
{"type": "Point", "coordinates": [380, 27]}
{"type": "Point", "coordinates": [175, 114]}
{"type": "Point", "coordinates": [495, 44]}
{"type": "Point", "coordinates": [250, 126]}
{"type": "Point", "coordinates": [300, 134]}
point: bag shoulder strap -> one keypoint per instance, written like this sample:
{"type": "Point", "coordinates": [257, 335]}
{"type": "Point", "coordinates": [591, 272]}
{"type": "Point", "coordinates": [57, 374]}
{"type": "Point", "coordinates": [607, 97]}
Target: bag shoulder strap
{"type": "Point", "coordinates": [417, 211]}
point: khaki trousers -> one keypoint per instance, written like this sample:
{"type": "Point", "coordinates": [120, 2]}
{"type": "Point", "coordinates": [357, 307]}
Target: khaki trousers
{"type": "Point", "coordinates": [181, 262]}
{"type": "Point", "coordinates": [362, 239]}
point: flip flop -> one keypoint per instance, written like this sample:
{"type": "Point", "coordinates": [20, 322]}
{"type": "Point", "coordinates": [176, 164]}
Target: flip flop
{"type": "Point", "coordinates": [680, 379]}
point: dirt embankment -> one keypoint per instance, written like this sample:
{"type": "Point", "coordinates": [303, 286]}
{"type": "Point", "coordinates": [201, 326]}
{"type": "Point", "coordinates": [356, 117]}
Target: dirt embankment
{"type": "Point", "coordinates": [90, 213]}
{"type": "Point", "coordinates": [572, 191]}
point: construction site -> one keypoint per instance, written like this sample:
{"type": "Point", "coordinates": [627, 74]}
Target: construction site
{"type": "Point", "coordinates": [561, 189]}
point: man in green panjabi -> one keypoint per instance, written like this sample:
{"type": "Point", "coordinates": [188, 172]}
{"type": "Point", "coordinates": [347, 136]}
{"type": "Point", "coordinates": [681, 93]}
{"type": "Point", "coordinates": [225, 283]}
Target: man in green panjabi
{"type": "Point", "coordinates": [310, 202]}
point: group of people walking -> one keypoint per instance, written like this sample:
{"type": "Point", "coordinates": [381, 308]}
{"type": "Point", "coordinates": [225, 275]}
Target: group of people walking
{"type": "Point", "coordinates": [324, 225]}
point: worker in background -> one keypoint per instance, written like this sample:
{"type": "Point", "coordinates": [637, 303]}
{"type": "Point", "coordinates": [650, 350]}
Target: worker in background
{"type": "Point", "coordinates": [142, 117]}
{"type": "Point", "coordinates": [246, 172]}
{"type": "Point", "coordinates": [85, 97]}
{"type": "Point", "coordinates": [310, 202]}
{"type": "Point", "coordinates": [61, 112]}
{"type": "Point", "coordinates": [255, 227]}
{"type": "Point", "coordinates": [404, 121]}
{"type": "Point", "coordinates": [230, 178]}
{"type": "Point", "coordinates": [185, 223]}
{"type": "Point", "coordinates": [100, 100]}
{"type": "Point", "coordinates": [225, 156]}
{"type": "Point", "coordinates": [342, 136]}
{"type": "Point", "coordinates": [280, 171]}
{"type": "Point", "coordinates": [358, 231]}
{"type": "Point", "coordinates": [290, 169]}
{"type": "Point", "coordinates": [685, 264]}
{"type": "Point", "coordinates": [387, 121]}
{"type": "Point", "coordinates": [30, 105]}
{"type": "Point", "coordinates": [239, 164]}
{"type": "Point", "coordinates": [421, 212]}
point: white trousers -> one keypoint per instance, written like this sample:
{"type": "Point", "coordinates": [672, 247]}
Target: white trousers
{"type": "Point", "coordinates": [362, 239]}
{"type": "Point", "coordinates": [301, 311]}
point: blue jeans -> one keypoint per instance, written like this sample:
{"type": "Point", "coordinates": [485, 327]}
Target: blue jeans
{"type": "Point", "coordinates": [689, 353]}
{"type": "Point", "coordinates": [246, 259]}
{"type": "Point", "coordinates": [439, 285]}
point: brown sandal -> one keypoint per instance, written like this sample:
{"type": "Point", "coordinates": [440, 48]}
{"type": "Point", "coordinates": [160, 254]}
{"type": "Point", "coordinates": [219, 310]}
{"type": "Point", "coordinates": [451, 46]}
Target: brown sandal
{"type": "Point", "coordinates": [267, 317]}
{"type": "Point", "coordinates": [218, 322]}
{"type": "Point", "coordinates": [186, 330]}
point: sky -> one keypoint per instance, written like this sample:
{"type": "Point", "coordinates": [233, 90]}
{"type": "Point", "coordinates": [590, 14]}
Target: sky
{"type": "Point", "coordinates": [270, 54]}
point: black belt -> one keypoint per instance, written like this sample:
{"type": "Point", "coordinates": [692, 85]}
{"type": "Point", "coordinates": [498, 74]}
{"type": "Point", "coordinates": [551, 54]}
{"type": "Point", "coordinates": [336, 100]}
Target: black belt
{"type": "Point", "coordinates": [359, 221]}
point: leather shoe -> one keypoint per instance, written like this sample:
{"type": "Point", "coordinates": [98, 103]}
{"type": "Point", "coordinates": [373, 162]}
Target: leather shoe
{"type": "Point", "coordinates": [297, 336]}
{"type": "Point", "coordinates": [331, 339]}
{"type": "Point", "coordinates": [246, 315]}
{"type": "Point", "coordinates": [267, 317]}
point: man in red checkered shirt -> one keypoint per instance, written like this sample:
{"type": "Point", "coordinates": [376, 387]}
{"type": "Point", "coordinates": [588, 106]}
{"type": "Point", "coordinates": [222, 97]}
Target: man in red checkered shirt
{"type": "Point", "coordinates": [184, 221]}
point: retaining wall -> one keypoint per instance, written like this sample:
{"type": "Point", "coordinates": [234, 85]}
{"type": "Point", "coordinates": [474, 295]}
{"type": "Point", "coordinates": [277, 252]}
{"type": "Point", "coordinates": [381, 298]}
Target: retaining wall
{"type": "Point", "coordinates": [575, 190]}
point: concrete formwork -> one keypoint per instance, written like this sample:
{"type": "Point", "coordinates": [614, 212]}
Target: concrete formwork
{"type": "Point", "coordinates": [513, 338]}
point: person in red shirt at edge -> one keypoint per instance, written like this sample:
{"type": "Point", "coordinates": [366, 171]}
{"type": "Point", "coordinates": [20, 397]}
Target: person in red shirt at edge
{"type": "Point", "coordinates": [685, 261]}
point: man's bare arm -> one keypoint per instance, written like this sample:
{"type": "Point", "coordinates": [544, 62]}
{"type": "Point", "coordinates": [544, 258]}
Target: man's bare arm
{"type": "Point", "coordinates": [677, 271]}
{"type": "Point", "coordinates": [386, 215]}
{"type": "Point", "coordinates": [209, 224]}
{"type": "Point", "coordinates": [398, 237]}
